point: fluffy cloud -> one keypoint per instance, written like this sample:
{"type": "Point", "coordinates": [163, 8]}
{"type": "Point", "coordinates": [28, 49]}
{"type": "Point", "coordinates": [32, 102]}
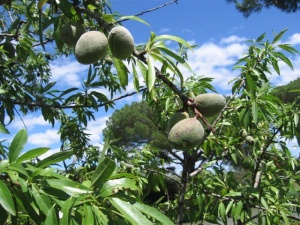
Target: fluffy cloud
{"type": "Point", "coordinates": [29, 122]}
{"type": "Point", "coordinates": [95, 129]}
{"type": "Point", "coordinates": [44, 139]}
{"type": "Point", "coordinates": [67, 72]}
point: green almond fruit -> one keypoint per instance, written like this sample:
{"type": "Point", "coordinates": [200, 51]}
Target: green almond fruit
{"type": "Point", "coordinates": [209, 104]}
{"type": "Point", "coordinates": [120, 42]}
{"type": "Point", "coordinates": [176, 117]}
{"type": "Point", "coordinates": [91, 47]}
{"type": "Point", "coordinates": [186, 134]}
{"type": "Point", "coordinates": [71, 32]}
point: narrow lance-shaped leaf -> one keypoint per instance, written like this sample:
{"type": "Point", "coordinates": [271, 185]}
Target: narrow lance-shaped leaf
{"type": "Point", "coordinates": [54, 158]}
{"type": "Point", "coordinates": [136, 83]}
{"type": "Point", "coordinates": [6, 199]}
{"type": "Point", "coordinates": [173, 38]}
{"type": "Point", "coordinates": [88, 215]}
{"type": "Point", "coordinates": [130, 213]}
{"type": "Point", "coordinates": [150, 81]}
{"type": "Point", "coordinates": [51, 218]}
{"type": "Point", "coordinates": [122, 72]}
{"type": "Point", "coordinates": [154, 213]}
{"type": "Point", "coordinates": [278, 36]}
{"type": "Point", "coordinates": [133, 18]}
{"type": "Point", "coordinates": [17, 145]}
{"type": "Point", "coordinates": [31, 154]}
{"type": "Point", "coordinates": [103, 172]}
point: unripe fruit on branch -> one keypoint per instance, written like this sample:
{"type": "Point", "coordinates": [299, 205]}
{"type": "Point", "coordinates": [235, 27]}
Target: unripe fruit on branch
{"type": "Point", "coordinates": [250, 140]}
{"type": "Point", "coordinates": [91, 47]}
{"type": "Point", "coordinates": [9, 49]}
{"type": "Point", "coordinates": [243, 133]}
{"type": "Point", "coordinates": [120, 42]}
{"type": "Point", "coordinates": [71, 32]}
{"type": "Point", "coordinates": [176, 117]}
{"type": "Point", "coordinates": [186, 134]}
{"type": "Point", "coordinates": [209, 104]}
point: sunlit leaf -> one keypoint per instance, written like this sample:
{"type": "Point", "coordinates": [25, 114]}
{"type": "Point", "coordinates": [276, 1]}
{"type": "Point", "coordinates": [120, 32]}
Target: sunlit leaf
{"type": "Point", "coordinates": [150, 80]}
{"type": "Point", "coordinates": [154, 213]}
{"type": "Point", "coordinates": [103, 172]}
{"type": "Point", "coordinates": [6, 200]}
{"type": "Point", "coordinates": [54, 158]}
{"type": "Point", "coordinates": [31, 154]}
{"type": "Point", "coordinates": [130, 213]}
{"type": "Point", "coordinates": [122, 72]}
{"type": "Point", "coordinates": [113, 186]}
{"type": "Point", "coordinates": [17, 145]}
{"type": "Point", "coordinates": [133, 18]}
{"type": "Point", "coordinates": [278, 36]}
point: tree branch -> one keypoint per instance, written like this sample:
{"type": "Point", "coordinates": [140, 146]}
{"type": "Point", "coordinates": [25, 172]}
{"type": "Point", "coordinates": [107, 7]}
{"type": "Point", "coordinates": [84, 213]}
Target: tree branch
{"type": "Point", "coordinates": [257, 173]}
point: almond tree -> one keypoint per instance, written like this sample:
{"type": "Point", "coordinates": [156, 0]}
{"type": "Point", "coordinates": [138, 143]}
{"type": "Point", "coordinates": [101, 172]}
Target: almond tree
{"type": "Point", "coordinates": [95, 189]}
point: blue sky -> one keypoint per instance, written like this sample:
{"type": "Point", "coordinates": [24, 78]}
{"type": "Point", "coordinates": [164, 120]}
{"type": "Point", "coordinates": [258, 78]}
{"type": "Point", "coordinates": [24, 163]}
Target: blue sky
{"type": "Point", "coordinates": [216, 27]}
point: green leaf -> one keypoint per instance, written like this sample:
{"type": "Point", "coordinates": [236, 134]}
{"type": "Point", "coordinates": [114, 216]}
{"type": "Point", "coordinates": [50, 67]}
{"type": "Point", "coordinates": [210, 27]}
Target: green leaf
{"type": "Point", "coordinates": [132, 18]}
{"type": "Point", "coordinates": [237, 210]}
{"type": "Point", "coordinates": [150, 80]}
{"type": "Point", "coordinates": [3, 129]}
{"type": "Point", "coordinates": [6, 199]}
{"type": "Point", "coordinates": [129, 212]}
{"type": "Point", "coordinates": [255, 111]}
{"type": "Point", "coordinates": [54, 158]}
{"type": "Point", "coordinates": [31, 154]}
{"type": "Point", "coordinates": [113, 186]}
{"type": "Point", "coordinates": [154, 213]}
{"type": "Point", "coordinates": [229, 206]}
{"type": "Point", "coordinates": [285, 218]}
{"type": "Point", "coordinates": [172, 38]}
{"type": "Point", "coordinates": [264, 203]}
{"type": "Point", "coordinates": [88, 215]}
{"type": "Point", "coordinates": [70, 187]}
{"type": "Point", "coordinates": [103, 172]}
{"type": "Point", "coordinates": [68, 10]}
{"type": "Point", "coordinates": [260, 38]}
{"type": "Point", "coordinates": [17, 145]}
{"type": "Point", "coordinates": [41, 30]}
{"type": "Point", "coordinates": [51, 218]}
{"type": "Point", "coordinates": [175, 56]}
{"type": "Point", "coordinates": [222, 211]}
{"type": "Point", "coordinates": [143, 69]}
{"type": "Point", "coordinates": [278, 36]}
{"type": "Point", "coordinates": [136, 83]}
{"type": "Point", "coordinates": [233, 194]}
{"type": "Point", "coordinates": [122, 72]}
{"type": "Point", "coordinates": [43, 201]}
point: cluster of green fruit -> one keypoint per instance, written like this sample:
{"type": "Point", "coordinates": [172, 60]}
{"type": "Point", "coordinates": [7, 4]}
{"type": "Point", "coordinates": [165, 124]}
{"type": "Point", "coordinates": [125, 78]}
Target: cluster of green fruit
{"type": "Point", "coordinates": [185, 132]}
{"type": "Point", "coordinates": [91, 46]}
{"type": "Point", "coordinates": [9, 49]}
{"type": "Point", "coordinates": [248, 138]}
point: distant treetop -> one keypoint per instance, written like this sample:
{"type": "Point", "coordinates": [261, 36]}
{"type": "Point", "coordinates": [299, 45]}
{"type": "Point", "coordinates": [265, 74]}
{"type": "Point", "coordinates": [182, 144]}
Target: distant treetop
{"type": "Point", "coordinates": [247, 7]}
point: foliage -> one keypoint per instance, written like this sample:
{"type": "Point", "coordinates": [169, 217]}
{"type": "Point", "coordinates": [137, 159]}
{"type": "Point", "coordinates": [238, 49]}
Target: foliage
{"type": "Point", "coordinates": [99, 188]}
{"type": "Point", "coordinates": [288, 93]}
{"type": "Point", "coordinates": [247, 7]}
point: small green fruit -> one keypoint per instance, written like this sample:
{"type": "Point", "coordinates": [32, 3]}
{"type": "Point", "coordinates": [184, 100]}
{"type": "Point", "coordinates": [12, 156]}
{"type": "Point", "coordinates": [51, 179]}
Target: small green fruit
{"type": "Point", "coordinates": [9, 49]}
{"type": "Point", "coordinates": [243, 133]}
{"type": "Point", "coordinates": [120, 42]}
{"type": "Point", "coordinates": [250, 140]}
{"type": "Point", "coordinates": [176, 117]}
{"type": "Point", "coordinates": [209, 104]}
{"type": "Point", "coordinates": [186, 134]}
{"type": "Point", "coordinates": [91, 47]}
{"type": "Point", "coordinates": [71, 32]}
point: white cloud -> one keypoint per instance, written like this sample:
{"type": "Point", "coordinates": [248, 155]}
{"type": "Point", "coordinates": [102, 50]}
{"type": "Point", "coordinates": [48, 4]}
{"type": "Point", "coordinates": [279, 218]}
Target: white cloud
{"type": "Point", "coordinates": [29, 122]}
{"type": "Point", "coordinates": [232, 39]}
{"type": "Point", "coordinates": [67, 73]}
{"type": "Point", "coordinates": [164, 30]}
{"type": "Point", "coordinates": [294, 39]}
{"type": "Point", "coordinates": [44, 139]}
{"type": "Point", "coordinates": [95, 129]}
